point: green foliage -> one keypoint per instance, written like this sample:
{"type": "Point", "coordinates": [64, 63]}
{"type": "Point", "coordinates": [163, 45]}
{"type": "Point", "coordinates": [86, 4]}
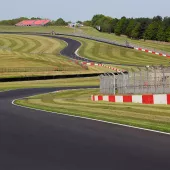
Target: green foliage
{"type": "Point", "coordinates": [168, 34]}
{"type": "Point", "coordinates": [87, 23]}
{"type": "Point", "coordinates": [138, 28]}
{"type": "Point", "coordinates": [152, 31]}
{"type": "Point", "coordinates": [79, 22]}
{"type": "Point", "coordinates": [130, 27]}
{"type": "Point", "coordinates": [121, 26]}
{"type": "Point", "coordinates": [136, 31]}
{"type": "Point", "coordinates": [107, 24]}
{"type": "Point", "coordinates": [12, 21]}
{"type": "Point", "coordinates": [157, 19]}
{"type": "Point", "coordinates": [161, 35]}
{"type": "Point", "coordinates": [60, 22]}
{"type": "Point", "coordinates": [96, 19]}
{"type": "Point", "coordinates": [156, 28]}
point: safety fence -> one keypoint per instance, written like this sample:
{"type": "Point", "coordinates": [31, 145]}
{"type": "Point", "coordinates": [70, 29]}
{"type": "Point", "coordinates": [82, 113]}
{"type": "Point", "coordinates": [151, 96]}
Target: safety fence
{"type": "Point", "coordinates": [152, 80]}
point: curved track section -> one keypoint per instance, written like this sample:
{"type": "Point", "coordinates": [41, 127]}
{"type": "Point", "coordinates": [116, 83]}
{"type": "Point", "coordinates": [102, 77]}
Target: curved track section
{"type": "Point", "coordinates": [74, 45]}
{"type": "Point", "coordinates": [37, 140]}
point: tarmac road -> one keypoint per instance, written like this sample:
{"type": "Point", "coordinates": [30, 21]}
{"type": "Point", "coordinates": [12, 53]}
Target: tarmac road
{"type": "Point", "coordinates": [37, 140]}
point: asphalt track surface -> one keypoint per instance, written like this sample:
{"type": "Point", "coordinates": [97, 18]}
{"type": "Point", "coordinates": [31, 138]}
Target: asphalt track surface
{"type": "Point", "coordinates": [74, 45]}
{"type": "Point", "coordinates": [37, 140]}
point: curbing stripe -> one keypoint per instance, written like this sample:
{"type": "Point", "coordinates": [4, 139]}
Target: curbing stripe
{"type": "Point", "coordinates": [142, 99]}
{"type": "Point", "coordinates": [149, 51]}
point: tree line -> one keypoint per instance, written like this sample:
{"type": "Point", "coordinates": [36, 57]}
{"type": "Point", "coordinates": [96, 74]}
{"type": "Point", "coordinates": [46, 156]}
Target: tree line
{"type": "Point", "coordinates": [156, 28]}
{"type": "Point", "coordinates": [58, 22]}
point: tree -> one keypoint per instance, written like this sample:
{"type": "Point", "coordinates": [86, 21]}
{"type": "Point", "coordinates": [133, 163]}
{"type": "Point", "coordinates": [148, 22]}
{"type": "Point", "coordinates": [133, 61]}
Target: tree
{"type": "Point", "coordinates": [79, 22]}
{"type": "Point", "coordinates": [60, 22]}
{"type": "Point", "coordinates": [167, 34]}
{"type": "Point", "coordinates": [115, 21]}
{"type": "Point", "coordinates": [107, 24]}
{"type": "Point", "coordinates": [36, 18]}
{"type": "Point", "coordinates": [13, 21]}
{"type": "Point", "coordinates": [145, 22]}
{"type": "Point", "coordinates": [130, 27]}
{"type": "Point", "coordinates": [120, 26]}
{"type": "Point", "coordinates": [96, 20]}
{"type": "Point", "coordinates": [161, 35]}
{"type": "Point", "coordinates": [166, 22]}
{"type": "Point", "coordinates": [87, 23]}
{"type": "Point", "coordinates": [136, 31]}
{"type": "Point", "coordinates": [157, 19]}
{"type": "Point", "coordinates": [151, 31]}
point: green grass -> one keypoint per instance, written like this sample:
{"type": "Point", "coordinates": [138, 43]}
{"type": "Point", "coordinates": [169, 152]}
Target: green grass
{"type": "Point", "coordinates": [26, 51]}
{"type": "Point", "coordinates": [109, 53]}
{"type": "Point", "coordinates": [151, 44]}
{"type": "Point", "coordinates": [99, 51]}
{"type": "Point", "coordinates": [78, 103]}
{"type": "Point", "coordinates": [90, 32]}
{"type": "Point", "coordinates": [70, 82]}
{"type": "Point", "coordinates": [30, 51]}
{"type": "Point", "coordinates": [46, 29]}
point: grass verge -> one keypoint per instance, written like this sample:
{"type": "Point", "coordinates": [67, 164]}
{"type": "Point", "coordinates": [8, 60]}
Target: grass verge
{"type": "Point", "coordinates": [109, 53]}
{"type": "Point", "coordinates": [70, 82]}
{"type": "Point", "coordinates": [78, 103]}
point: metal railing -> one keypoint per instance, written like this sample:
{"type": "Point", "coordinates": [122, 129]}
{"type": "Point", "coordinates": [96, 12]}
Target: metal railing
{"type": "Point", "coordinates": [154, 80]}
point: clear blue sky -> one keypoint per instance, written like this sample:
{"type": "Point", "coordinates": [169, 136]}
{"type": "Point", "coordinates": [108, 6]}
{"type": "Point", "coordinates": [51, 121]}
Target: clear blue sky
{"type": "Point", "coordinates": [73, 10]}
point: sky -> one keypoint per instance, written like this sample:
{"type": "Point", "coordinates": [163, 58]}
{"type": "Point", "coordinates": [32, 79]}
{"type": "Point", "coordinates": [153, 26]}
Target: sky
{"type": "Point", "coordinates": [74, 10]}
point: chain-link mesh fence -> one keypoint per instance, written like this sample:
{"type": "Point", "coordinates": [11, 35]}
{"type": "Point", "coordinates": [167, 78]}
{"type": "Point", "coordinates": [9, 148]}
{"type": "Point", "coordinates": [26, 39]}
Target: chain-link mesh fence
{"type": "Point", "coordinates": [107, 83]}
{"type": "Point", "coordinates": [145, 81]}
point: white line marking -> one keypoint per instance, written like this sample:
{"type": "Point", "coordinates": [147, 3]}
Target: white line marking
{"type": "Point", "coordinates": [102, 121]}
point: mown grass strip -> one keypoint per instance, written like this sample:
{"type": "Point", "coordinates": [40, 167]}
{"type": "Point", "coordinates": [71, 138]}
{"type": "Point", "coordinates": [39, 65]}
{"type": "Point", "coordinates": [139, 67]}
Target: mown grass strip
{"type": "Point", "coordinates": [70, 82]}
{"type": "Point", "coordinates": [110, 53]}
{"type": "Point", "coordinates": [78, 103]}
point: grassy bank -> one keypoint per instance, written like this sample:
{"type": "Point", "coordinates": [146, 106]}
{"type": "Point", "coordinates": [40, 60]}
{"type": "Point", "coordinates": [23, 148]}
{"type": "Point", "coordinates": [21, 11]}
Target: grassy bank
{"type": "Point", "coordinates": [78, 102]}
{"type": "Point", "coordinates": [70, 82]}
{"type": "Point", "coordinates": [109, 53]}
{"type": "Point", "coordinates": [91, 32]}
{"type": "Point", "coordinates": [148, 43]}
{"type": "Point", "coordinates": [23, 55]}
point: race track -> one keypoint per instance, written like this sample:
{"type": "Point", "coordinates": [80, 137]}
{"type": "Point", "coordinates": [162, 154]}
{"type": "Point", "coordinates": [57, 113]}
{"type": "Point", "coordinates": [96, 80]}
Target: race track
{"type": "Point", "coordinates": [37, 140]}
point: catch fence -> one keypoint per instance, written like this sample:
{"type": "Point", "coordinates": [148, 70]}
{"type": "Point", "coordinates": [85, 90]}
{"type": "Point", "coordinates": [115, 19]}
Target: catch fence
{"type": "Point", "coordinates": [154, 80]}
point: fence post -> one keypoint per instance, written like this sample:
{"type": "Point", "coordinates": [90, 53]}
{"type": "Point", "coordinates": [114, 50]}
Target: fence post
{"type": "Point", "coordinates": [140, 77]}
{"type": "Point", "coordinates": [113, 84]}
{"type": "Point", "coordinates": [124, 83]}
{"type": "Point", "coordinates": [163, 71]}
{"type": "Point", "coordinates": [147, 72]}
{"type": "Point", "coordinates": [155, 84]}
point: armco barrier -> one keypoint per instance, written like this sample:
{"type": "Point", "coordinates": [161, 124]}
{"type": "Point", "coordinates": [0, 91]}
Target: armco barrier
{"type": "Point", "coordinates": [142, 99]}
